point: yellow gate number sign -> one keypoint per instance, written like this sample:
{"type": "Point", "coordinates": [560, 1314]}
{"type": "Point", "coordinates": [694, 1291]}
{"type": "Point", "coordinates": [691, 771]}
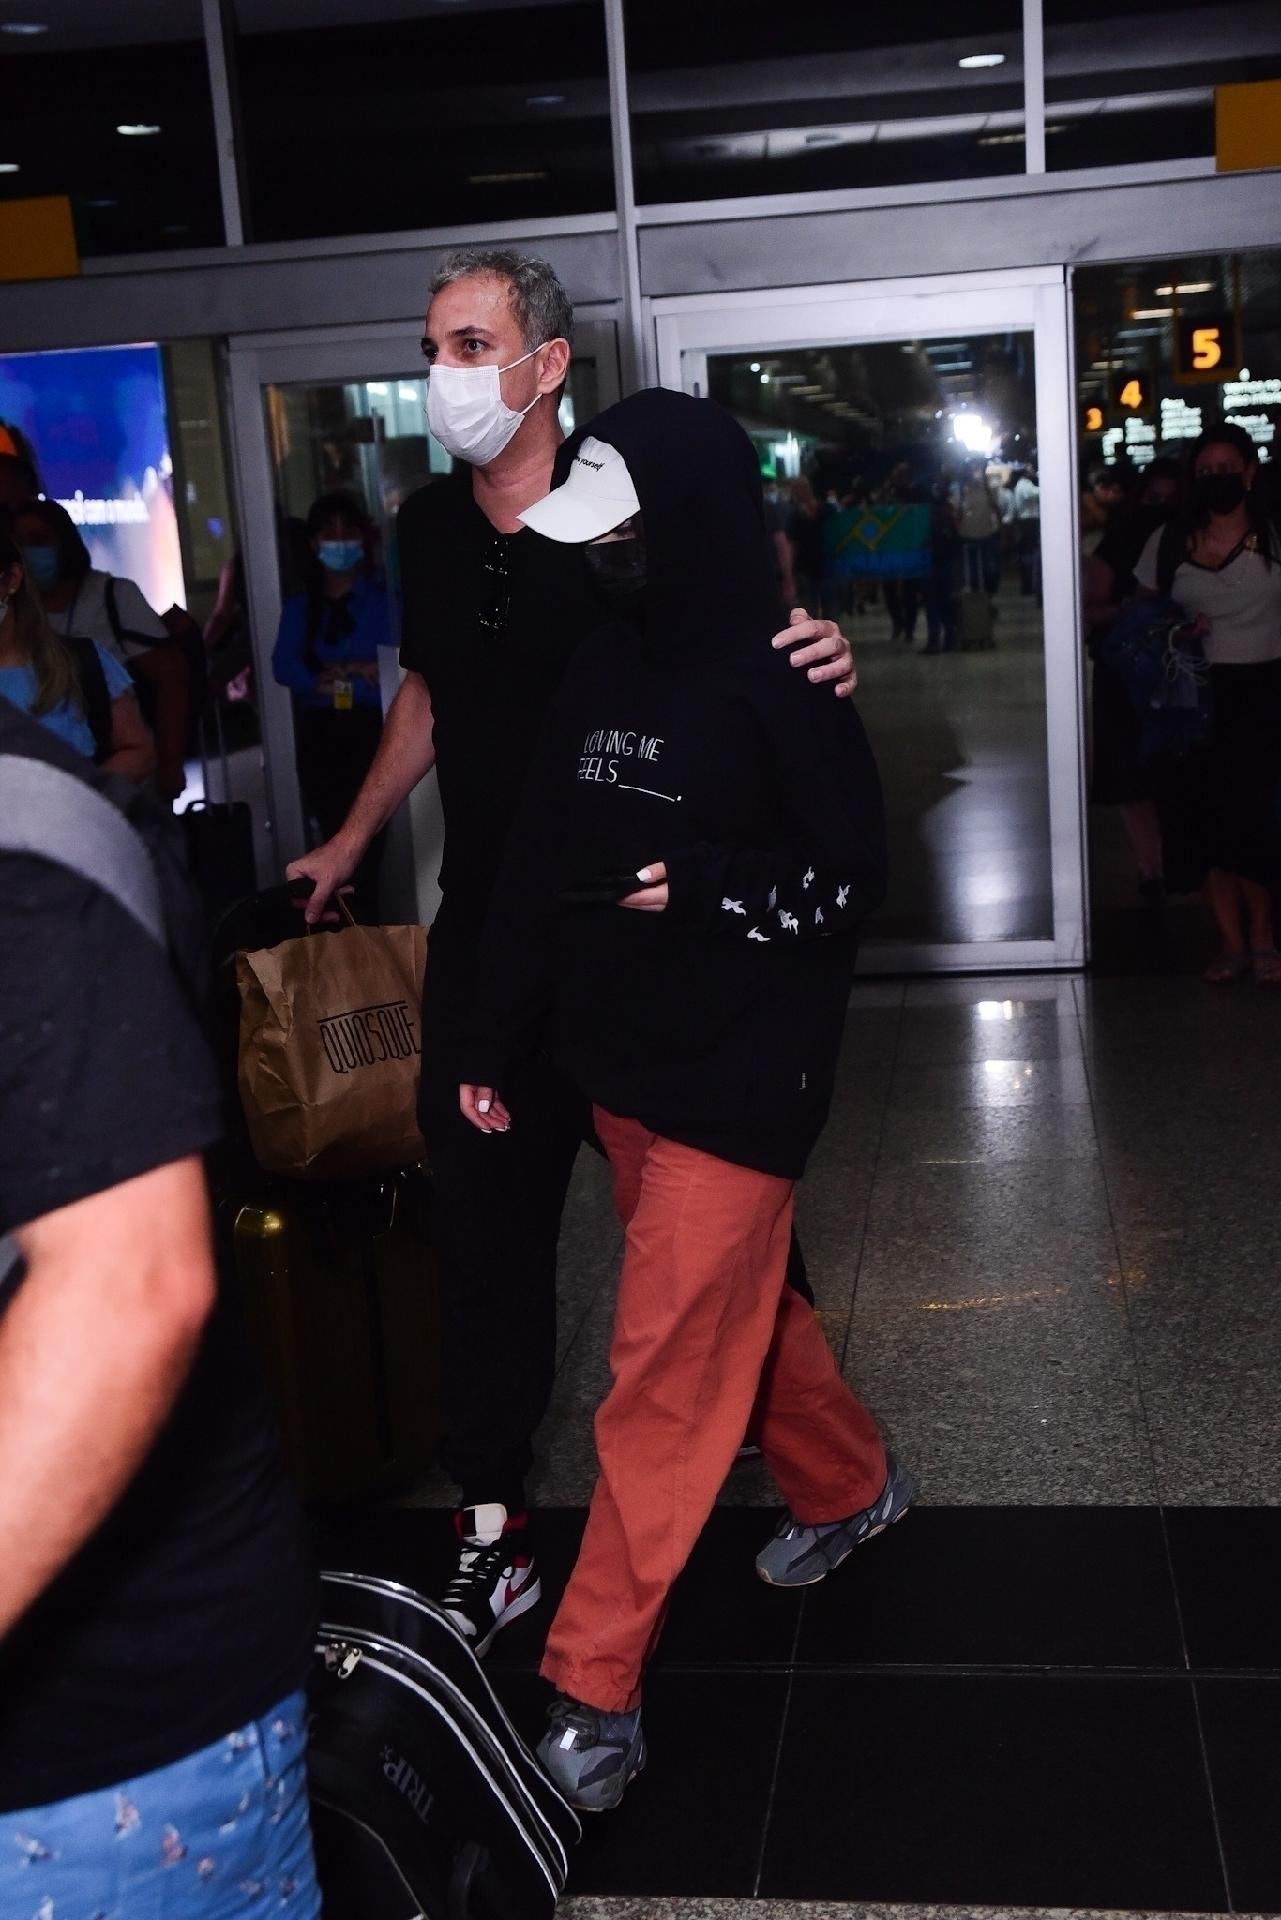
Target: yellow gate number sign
{"type": "Point", "coordinates": [1206, 347]}
{"type": "Point", "coordinates": [1131, 392]}
{"type": "Point", "coordinates": [1094, 419]}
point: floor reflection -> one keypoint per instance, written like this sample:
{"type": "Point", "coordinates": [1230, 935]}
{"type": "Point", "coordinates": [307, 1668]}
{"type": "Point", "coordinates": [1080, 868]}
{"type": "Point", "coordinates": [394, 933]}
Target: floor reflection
{"type": "Point", "coordinates": [960, 738]}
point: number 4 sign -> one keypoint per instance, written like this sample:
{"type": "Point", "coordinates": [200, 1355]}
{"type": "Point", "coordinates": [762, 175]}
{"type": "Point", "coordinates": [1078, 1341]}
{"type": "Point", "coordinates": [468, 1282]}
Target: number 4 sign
{"type": "Point", "coordinates": [1131, 392]}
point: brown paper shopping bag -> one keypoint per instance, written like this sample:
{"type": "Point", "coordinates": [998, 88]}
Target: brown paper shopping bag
{"type": "Point", "coordinates": [330, 1044]}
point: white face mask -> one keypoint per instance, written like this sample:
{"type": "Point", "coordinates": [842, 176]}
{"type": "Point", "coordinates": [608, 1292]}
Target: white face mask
{"type": "Point", "coordinates": [466, 411]}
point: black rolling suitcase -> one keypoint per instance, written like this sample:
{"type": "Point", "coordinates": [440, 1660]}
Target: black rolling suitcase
{"type": "Point", "coordinates": [425, 1800]}
{"type": "Point", "coordinates": [977, 623]}
{"type": "Point", "coordinates": [339, 1287]}
{"type": "Point", "coordinates": [219, 836]}
{"type": "Point", "coordinates": [338, 1278]}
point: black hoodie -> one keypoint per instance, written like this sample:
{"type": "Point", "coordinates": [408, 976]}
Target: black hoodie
{"type": "Point", "coordinates": [682, 736]}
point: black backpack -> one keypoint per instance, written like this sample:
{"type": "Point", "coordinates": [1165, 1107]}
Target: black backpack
{"type": "Point", "coordinates": [54, 806]}
{"type": "Point", "coordinates": [95, 696]}
{"type": "Point", "coordinates": [108, 830]}
{"type": "Point", "coordinates": [185, 635]}
{"type": "Point", "coordinates": [425, 1799]}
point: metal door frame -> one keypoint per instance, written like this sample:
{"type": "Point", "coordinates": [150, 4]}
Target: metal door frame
{"type": "Point", "coordinates": [387, 350]}
{"type": "Point", "coordinates": [687, 328]}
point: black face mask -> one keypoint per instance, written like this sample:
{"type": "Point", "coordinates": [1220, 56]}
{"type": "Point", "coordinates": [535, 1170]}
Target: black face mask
{"type": "Point", "coordinates": [1219, 492]}
{"type": "Point", "coordinates": [619, 572]}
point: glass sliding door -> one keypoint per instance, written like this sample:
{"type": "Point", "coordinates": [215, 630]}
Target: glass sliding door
{"type": "Point", "coordinates": [324, 412]}
{"type": "Point", "coordinates": [913, 441]}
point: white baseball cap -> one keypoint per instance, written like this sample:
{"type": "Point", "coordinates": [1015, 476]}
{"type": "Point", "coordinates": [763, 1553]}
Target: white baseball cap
{"type": "Point", "coordinates": [597, 496]}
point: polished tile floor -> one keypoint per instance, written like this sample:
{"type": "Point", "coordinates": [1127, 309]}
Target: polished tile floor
{"type": "Point", "coordinates": [1043, 1231]}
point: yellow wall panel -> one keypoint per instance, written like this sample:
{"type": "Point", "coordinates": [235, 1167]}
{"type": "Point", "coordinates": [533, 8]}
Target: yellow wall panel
{"type": "Point", "coordinates": [37, 239]}
{"type": "Point", "coordinates": [1247, 126]}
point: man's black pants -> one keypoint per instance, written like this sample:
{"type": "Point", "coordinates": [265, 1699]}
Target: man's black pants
{"type": "Point", "coordinates": [498, 1205]}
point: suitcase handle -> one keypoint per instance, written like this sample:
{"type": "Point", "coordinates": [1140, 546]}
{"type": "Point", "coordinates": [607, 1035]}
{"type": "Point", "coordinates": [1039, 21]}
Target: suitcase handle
{"type": "Point", "coordinates": [302, 889]}
{"type": "Point", "coordinates": [222, 752]}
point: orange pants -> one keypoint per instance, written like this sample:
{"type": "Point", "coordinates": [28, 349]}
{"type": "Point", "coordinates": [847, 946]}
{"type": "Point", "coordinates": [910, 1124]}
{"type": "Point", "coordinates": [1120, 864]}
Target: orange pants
{"type": "Point", "coordinates": [704, 1330]}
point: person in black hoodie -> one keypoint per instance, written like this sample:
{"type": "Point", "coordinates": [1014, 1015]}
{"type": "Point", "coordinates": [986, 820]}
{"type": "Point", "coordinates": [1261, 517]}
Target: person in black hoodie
{"type": "Point", "coordinates": [697, 847]}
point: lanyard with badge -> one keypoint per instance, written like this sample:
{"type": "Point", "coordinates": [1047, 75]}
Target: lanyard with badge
{"type": "Point", "coordinates": [342, 686]}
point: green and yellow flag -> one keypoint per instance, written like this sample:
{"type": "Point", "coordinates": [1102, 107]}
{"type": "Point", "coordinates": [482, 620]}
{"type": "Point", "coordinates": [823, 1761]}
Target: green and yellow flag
{"type": "Point", "coordinates": [886, 542]}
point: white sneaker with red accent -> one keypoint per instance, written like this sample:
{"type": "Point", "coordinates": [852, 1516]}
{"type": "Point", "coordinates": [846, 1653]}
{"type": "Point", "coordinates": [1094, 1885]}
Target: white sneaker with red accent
{"type": "Point", "coordinates": [496, 1579]}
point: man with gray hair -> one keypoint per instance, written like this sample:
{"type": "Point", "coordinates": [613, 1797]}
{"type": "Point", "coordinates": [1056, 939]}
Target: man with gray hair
{"type": "Point", "coordinates": [492, 615]}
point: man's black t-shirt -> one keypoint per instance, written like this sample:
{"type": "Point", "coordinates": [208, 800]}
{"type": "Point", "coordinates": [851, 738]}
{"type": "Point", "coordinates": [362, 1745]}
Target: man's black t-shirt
{"type": "Point", "coordinates": [189, 1612]}
{"type": "Point", "coordinates": [491, 622]}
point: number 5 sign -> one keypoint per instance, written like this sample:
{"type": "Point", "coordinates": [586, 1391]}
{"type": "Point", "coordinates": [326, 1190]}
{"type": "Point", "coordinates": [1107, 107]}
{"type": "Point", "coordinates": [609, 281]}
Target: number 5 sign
{"type": "Point", "coordinates": [1207, 347]}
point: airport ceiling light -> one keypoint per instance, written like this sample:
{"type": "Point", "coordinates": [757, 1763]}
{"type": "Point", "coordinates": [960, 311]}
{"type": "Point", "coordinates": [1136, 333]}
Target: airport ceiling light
{"type": "Point", "coordinates": [136, 129]}
{"type": "Point", "coordinates": [545, 100]}
{"type": "Point", "coordinates": [9, 166]}
{"type": "Point", "coordinates": [982, 60]}
{"type": "Point", "coordinates": [972, 431]}
{"type": "Point", "coordinates": [25, 29]}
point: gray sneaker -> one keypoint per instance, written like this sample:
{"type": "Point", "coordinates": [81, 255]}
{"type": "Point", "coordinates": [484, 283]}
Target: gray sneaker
{"type": "Point", "coordinates": [592, 1756]}
{"type": "Point", "coordinates": [800, 1556]}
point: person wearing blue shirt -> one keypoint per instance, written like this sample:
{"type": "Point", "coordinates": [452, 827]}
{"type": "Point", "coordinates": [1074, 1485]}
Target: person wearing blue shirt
{"type": "Point", "coordinates": [44, 675]}
{"type": "Point", "coordinates": [326, 653]}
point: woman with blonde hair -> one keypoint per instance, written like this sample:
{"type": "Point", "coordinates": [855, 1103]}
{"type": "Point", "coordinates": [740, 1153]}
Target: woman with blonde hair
{"type": "Point", "coordinates": [72, 686]}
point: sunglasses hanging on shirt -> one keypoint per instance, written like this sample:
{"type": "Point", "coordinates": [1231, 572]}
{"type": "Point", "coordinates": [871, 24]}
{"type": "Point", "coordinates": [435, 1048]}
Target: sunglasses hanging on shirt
{"type": "Point", "coordinates": [496, 606]}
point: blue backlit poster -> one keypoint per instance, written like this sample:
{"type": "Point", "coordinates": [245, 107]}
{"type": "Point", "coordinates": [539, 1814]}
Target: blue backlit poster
{"type": "Point", "coordinates": [97, 421]}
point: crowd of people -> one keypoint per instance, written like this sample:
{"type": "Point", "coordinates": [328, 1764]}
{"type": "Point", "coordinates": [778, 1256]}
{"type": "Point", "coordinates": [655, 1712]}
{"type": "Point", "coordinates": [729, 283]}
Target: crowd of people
{"type": "Point", "coordinates": [196, 1769]}
{"type": "Point", "coordinates": [982, 517]}
{"type": "Point", "coordinates": [663, 837]}
{"type": "Point", "coordinates": [1205, 816]}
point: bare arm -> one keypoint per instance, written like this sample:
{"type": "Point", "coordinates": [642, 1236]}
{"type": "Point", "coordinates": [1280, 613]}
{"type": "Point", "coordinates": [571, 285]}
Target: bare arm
{"type": "Point", "coordinates": [165, 669]}
{"type": "Point", "coordinates": [133, 750]}
{"type": "Point", "coordinates": [94, 1347]}
{"type": "Point", "coordinates": [1098, 591]}
{"type": "Point", "coordinates": [405, 754]}
{"type": "Point", "coordinates": [224, 608]}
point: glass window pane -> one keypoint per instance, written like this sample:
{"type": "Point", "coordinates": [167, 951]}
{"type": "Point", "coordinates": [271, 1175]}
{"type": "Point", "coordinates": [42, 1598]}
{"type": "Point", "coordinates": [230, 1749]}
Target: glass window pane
{"type": "Point", "coordinates": [1129, 83]}
{"type": "Point", "coordinates": [97, 423]}
{"type": "Point", "coordinates": [1140, 403]}
{"type": "Point", "coordinates": [71, 91]}
{"type": "Point", "coordinates": [901, 480]}
{"type": "Point", "coordinates": [370, 436]}
{"type": "Point", "coordinates": [729, 99]}
{"type": "Point", "coordinates": [201, 487]}
{"type": "Point", "coordinates": [1140, 395]}
{"type": "Point", "coordinates": [391, 115]}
